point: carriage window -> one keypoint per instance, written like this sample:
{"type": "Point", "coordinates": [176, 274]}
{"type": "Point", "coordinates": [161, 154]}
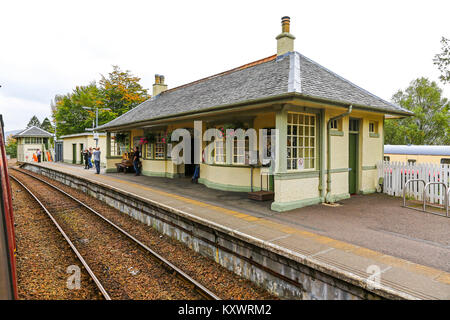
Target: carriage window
{"type": "Point", "coordinates": [445, 161]}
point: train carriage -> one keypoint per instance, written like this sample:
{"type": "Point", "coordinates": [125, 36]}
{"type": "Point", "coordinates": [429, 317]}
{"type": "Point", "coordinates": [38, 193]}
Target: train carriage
{"type": "Point", "coordinates": [8, 280]}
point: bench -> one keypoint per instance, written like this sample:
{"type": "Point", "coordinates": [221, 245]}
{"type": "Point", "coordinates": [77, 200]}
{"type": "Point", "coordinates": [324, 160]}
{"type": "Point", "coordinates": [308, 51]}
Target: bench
{"type": "Point", "coordinates": [124, 167]}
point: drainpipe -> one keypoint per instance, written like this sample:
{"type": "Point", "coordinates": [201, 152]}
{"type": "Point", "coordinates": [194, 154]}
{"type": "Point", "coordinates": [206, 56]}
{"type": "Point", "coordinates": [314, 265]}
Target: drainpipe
{"type": "Point", "coordinates": [328, 196]}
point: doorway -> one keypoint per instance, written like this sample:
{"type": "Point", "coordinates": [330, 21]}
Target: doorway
{"type": "Point", "coordinates": [74, 153]}
{"type": "Point", "coordinates": [81, 153]}
{"type": "Point", "coordinates": [189, 168]}
{"type": "Point", "coordinates": [353, 142]}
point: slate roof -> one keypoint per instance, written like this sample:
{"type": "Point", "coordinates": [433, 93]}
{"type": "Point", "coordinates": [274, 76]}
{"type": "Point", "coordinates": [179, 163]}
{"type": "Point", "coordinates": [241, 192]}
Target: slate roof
{"type": "Point", "coordinates": [417, 150]}
{"type": "Point", "coordinates": [33, 132]}
{"type": "Point", "coordinates": [272, 76]}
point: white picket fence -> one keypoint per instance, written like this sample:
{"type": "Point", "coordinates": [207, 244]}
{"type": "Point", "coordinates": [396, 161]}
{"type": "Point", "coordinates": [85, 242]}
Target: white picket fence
{"type": "Point", "coordinates": [395, 175]}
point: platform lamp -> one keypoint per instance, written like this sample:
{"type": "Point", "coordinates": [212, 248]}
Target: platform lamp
{"type": "Point", "coordinates": [96, 121]}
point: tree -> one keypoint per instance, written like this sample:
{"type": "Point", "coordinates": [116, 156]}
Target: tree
{"type": "Point", "coordinates": [121, 91]}
{"type": "Point", "coordinates": [34, 121]}
{"type": "Point", "coordinates": [69, 114]}
{"type": "Point", "coordinates": [430, 123]}
{"type": "Point", "coordinates": [46, 125]}
{"type": "Point", "coordinates": [442, 61]}
{"type": "Point", "coordinates": [11, 146]}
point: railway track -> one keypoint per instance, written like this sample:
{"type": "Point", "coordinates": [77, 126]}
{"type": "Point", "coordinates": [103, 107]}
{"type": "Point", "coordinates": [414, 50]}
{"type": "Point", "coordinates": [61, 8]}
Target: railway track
{"type": "Point", "coordinates": [121, 266]}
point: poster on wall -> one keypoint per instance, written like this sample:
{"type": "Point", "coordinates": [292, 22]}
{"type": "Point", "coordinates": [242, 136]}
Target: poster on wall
{"type": "Point", "coordinates": [300, 163]}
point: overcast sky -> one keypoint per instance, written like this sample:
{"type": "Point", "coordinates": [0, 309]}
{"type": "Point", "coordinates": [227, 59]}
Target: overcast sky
{"type": "Point", "coordinates": [49, 47]}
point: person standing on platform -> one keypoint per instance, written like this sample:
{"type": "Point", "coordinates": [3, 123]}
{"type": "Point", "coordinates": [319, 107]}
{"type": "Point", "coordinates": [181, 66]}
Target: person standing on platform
{"type": "Point", "coordinates": [86, 156]}
{"type": "Point", "coordinates": [38, 152]}
{"type": "Point", "coordinates": [97, 160]}
{"type": "Point", "coordinates": [90, 158]}
{"type": "Point", "coordinates": [136, 161]}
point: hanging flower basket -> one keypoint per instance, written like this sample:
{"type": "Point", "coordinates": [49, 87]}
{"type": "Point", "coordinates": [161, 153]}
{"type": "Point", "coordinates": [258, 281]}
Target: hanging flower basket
{"type": "Point", "coordinates": [150, 137]}
{"type": "Point", "coordinates": [143, 141]}
{"type": "Point", "coordinates": [167, 137]}
{"type": "Point", "coordinates": [236, 125]}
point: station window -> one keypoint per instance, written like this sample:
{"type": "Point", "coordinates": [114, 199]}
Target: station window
{"type": "Point", "coordinates": [353, 125]}
{"type": "Point", "coordinates": [149, 150]}
{"type": "Point", "coordinates": [240, 149]}
{"type": "Point", "coordinates": [219, 151]}
{"type": "Point", "coordinates": [119, 147]}
{"type": "Point", "coordinates": [373, 127]}
{"type": "Point", "coordinates": [301, 141]}
{"type": "Point", "coordinates": [336, 124]}
{"type": "Point", "coordinates": [159, 147]}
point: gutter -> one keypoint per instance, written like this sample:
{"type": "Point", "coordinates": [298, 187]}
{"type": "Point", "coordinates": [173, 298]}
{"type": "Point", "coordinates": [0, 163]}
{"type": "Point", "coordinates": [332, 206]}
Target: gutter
{"type": "Point", "coordinates": [328, 196]}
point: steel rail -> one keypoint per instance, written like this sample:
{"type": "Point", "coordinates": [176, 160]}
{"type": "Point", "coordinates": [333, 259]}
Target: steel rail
{"type": "Point", "coordinates": [199, 287]}
{"type": "Point", "coordinates": [75, 250]}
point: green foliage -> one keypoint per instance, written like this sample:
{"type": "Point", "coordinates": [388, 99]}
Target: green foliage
{"type": "Point", "coordinates": [120, 91]}
{"type": "Point", "coordinates": [70, 116]}
{"type": "Point", "coordinates": [442, 60]}
{"type": "Point", "coordinates": [34, 121]}
{"type": "Point", "coordinates": [11, 146]}
{"type": "Point", "coordinates": [430, 123]}
{"type": "Point", "coordinates": [47, 126]}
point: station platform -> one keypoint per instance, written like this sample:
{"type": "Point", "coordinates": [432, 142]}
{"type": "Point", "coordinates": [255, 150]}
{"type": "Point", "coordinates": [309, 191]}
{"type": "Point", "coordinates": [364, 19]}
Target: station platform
{"type": "Point", "coordinates": [410, 248]}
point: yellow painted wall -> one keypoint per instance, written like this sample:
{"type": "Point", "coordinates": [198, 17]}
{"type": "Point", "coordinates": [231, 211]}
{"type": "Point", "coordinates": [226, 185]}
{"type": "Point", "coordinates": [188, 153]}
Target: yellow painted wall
{"type": "Point", "coordinates": [370, 151]}
{"type": "Point", "coordinates": [296, 189]}
{"type": "Point", "coordinates": [229, 177]}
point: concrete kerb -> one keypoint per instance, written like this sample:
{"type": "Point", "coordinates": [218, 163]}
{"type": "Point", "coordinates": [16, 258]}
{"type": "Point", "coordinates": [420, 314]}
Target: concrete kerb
{"type": "Point", "coordinates": [310, 262]}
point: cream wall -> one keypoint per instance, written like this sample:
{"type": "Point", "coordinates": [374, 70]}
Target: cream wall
{"type": "Point", "coordinates": [25, 151]}
{"type": "Point", "coordinates": [231, 178]}
{"type": "Point", "coordinates": [296, 189]}
{"type": "Point", "coordinates": [371, 153]}
{"type": "Point", "coordinates": [88, 142]}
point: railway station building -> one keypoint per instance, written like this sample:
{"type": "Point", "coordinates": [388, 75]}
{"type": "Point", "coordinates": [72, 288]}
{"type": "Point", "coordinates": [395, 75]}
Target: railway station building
{"type": "Point", "coordinates": [29, 141]}
{"type": "Point", "coordinates": [74, 144]}
{"type": "Point", "coordinates": [330, 131]}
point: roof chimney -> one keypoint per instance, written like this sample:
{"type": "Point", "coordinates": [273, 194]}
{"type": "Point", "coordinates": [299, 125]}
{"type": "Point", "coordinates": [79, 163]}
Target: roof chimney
{"type": "Point", "coordinates": [285, 40]}
{"type": "Point", "coordinates": [159, 85]}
